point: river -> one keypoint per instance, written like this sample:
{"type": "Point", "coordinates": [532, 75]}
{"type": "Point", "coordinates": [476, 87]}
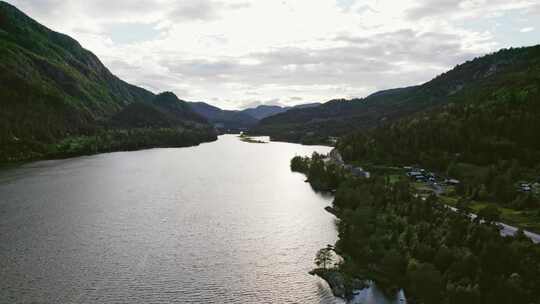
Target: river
{"type": "Point", "coordinates": [223, 222]}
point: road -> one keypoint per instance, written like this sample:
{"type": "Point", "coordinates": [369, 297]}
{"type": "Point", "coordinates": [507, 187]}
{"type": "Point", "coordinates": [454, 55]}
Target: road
{"type": "Point", "coordinates": [507, 230]}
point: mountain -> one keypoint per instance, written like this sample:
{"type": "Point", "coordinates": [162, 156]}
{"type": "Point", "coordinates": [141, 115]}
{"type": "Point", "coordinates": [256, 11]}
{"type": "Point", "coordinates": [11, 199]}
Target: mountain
{"type": "Point", "coordinates": [307, 105]}
{"type": "Point", "coordinates": [166, 110]}
{"type": "Point", "coordinates": [52, 89]}
{"type": "Point", "coordinates": [236, 121]}
{"type": "Point", "coordinates": [224, 120]}
{"type": "Point", "coordinates": [263, 111]}
{"type": "Point", "coordinates": [476, 80]}
{"type": "Point", "coordinates": [177, 109]}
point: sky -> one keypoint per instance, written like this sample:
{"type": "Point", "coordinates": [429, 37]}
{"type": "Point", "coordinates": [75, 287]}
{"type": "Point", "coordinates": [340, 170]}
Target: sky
{"type": "Point", "coordinates": [241, 53]}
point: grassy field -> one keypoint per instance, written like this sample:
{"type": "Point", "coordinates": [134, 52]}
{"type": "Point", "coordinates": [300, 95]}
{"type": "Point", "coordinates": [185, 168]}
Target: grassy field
{"type": "Point", "coordinates": [394, 178]}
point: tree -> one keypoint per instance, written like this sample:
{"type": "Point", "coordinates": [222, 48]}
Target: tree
{"type": "Point", "coordinates": [427, 283]}
{"type": "Point", "coordinates": [503, 188]}
{"type": "Point", "coordinates": [483, 193]}
{"type": "Point", "coordinates": [300, 164]}
{"type": "Point", "coordinates": [324, 257]}
{"type": "Point", "coordinates": [490, 213]}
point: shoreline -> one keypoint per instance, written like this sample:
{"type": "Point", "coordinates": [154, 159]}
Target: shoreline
{"type": "Point", "coordinates": [251, 139]}
{"type": "Point", "coordinates": [349, 288]}
{"type": "Point", "coordinates": [18, 163]}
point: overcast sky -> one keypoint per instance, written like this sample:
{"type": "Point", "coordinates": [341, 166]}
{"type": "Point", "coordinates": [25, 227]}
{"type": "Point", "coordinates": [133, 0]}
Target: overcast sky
{"type": "Point", "coordinates": [238, 53]}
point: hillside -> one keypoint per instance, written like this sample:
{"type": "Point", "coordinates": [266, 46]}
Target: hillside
{"type": "Point", "coordinates": [263, 111]}
{"type": "Point", "coordinates": [224, 120]}
{"type": "Point", "coordinates": [52, 89]}
{"type": "Point", "coordinates": [229, 121]}
{"type": "Point", "coordinates": [491, 147]}
{"type": "Point", "coordinates": [485, 137]}
{"type": "Point", "coordinates": [473, 81]}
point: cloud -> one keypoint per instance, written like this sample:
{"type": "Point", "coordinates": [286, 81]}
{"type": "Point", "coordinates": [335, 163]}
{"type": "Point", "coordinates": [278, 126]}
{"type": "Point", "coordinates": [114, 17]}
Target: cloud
{"type": "Point", "coordinates": [527, 29]}
{"type": "Point", "coordinates": [362, 62]}
{"type": "Point", "coordinates": [432, 9]}
{"type": "Point", "coordinates": [202, 10]}
{"type": "Point", "coordinates": [450, 9]}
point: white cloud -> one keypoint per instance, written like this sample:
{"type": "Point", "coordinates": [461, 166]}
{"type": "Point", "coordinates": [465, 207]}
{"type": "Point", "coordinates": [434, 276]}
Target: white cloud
{"type": "Point", "coordinates": [527, 29]}
{"type": "Point", "coordinates": [239, 52]}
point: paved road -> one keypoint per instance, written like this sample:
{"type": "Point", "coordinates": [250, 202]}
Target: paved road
{"type": "Point", "coordinates": [507, 230]}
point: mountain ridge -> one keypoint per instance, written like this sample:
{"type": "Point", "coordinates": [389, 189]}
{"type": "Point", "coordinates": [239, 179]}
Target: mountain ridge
{"type": "Point", "coordinates": [480, 77]}
{"type": "Point", "coordinates": [51, 89]}
{"type": "Point", "coordinates": [240, 120]}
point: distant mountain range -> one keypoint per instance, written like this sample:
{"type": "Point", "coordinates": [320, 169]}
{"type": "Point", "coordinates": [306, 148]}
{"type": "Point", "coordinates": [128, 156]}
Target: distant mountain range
{"type": "Point", "coordinates": [240, 120]}
{"type": "Point", "coordinates": [225, 120]}
{"type": "Point", "coordinates": [57, 98]}
{"type": "Point", "coordinates": [478, 80]}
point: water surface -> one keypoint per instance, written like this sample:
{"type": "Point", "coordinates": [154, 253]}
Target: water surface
{"type": "Point", "coordinates": [224, 222]}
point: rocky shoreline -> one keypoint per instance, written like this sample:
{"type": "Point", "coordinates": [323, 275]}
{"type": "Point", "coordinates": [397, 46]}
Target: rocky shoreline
{"type": "Point", "coordinates": [341, 285]}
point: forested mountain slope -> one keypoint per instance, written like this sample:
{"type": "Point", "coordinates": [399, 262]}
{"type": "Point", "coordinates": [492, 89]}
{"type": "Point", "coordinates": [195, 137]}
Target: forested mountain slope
{"type": "Point", "coordinates": [263, 111]}
{"type": "Point", "coordinates": [479, 80]}
{"type": "Point", "coordinates": [52, 89]}
{"type": "Point", "coordinates": [226, 120]}
{"type": "Point", "coordinates": [486, 137]}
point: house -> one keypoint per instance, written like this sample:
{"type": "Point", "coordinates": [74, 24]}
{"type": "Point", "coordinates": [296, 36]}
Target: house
{"type": "Point", "coordinates": [524, 187]}
{"type": "Point", "coordinates": [417, 176]}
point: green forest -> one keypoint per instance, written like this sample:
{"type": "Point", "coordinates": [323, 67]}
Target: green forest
{"type": "Point", "coordinates": [399, 240]}
{"type": "Point", "coordinates": [491, 147]}
{"type": "Point", "coordinates": [57, 99]}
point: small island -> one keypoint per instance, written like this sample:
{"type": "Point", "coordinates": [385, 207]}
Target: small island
{"type": "Point", "coordinates": [246, 138]}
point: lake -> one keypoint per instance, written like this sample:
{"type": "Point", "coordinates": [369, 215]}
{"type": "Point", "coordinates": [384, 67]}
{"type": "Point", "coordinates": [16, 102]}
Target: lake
{"type": "Point", "coordinates": [223, 222]}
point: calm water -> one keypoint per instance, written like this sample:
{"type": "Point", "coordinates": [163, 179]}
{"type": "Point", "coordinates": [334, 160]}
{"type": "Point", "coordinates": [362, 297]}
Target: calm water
{"type": "Point", "coordinates": [224, 222]}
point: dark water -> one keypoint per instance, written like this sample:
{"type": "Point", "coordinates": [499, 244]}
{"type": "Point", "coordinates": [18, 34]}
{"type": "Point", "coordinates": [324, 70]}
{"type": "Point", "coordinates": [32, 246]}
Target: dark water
{"type": "Point", "coordinates": [225, 222]}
